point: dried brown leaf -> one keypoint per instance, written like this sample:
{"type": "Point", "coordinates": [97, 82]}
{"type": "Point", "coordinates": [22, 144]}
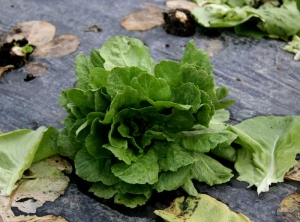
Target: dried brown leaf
{"type": "Point", "coordinates": [36, 32]}
{"type": "Point", "coordinates": [142, 20]}
{"type": "Point", "coordinates": [93, 28]}
{"type": "Point", "coordinates": [289, 208]}
{"type": "Point", "coordinates": [5, 68]}
{"type": "Point", "coordinates": [181, 4]}
{"type": "Point", "coordinates": [35, 68]}
{"type": "Point", "coordinates": [294, 173]}
{"type": "Point", "coordinates": [60, 46]}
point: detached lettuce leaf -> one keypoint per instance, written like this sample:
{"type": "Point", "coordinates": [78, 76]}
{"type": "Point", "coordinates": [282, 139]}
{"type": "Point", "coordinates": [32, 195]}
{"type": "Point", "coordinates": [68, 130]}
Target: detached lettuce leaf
{"type": "Point", "coordinates": [270, 145]}
{"type": "Point", "coordinates": [17, 152]}
{"type": "Point", "coordinates": [251, 18]}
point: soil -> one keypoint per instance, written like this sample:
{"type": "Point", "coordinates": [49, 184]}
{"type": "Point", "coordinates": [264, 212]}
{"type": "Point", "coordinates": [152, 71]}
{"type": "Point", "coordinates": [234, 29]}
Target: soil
{"type": "Point", "coordinates": [179, 22]}
{"type": "Point", "coordinates": [8, 58]}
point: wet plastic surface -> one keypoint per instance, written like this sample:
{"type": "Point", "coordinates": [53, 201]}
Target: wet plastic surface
{"type": "Point", "coordinates": [261, 77]}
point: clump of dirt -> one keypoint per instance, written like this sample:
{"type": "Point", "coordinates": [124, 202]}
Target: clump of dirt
{"type": "Point", "coordinates": [179, 22]}
{"type": "Point", "coordinates": [10, 53]}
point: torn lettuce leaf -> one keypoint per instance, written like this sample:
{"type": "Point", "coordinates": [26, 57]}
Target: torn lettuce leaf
{"type": "Point", "coordinates": [17, 152]}
{"type": "Point", "coordinates": [269, 147]}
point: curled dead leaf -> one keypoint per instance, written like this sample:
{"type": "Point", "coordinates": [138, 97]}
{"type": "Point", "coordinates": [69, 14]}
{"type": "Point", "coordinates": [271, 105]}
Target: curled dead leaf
{"type": "Point", "coordinates": [289, 208]}
{"type": "Point", "coordinates": [60, 46]}
{"type": "Point", "coordinates": [181, 4]}
{"type": "Point", "coordinates": [93, 28]}
{"type": "Point", "coordinates": [142, 20]}
{"type": "Point", "coordinates": [5, 68]}
{"type": "Point", "coordinates": [36, 32]}
{"type": "Point", "coordinates": [35, 68]}
{"type": "Point", "coordinates": [294, 173]}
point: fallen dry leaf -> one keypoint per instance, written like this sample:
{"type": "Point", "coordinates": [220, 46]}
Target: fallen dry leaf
{"type": "Point", "coordinates": [289, 208]}
{"type": "Point", "coordinates": [5, 68]}
{"type": "Point", "coordinates": [60, 46]}
{"type": "Point", "coordinates": [142, 20]}
{"type": "Point", "coordinates": [36, 68]}
{"type": "Point", "coordinates": [93, 28]}
{"type": "Point", "coordinates": [201, 208]}
{"type": "Point", "coordinates": [43, 181]}
{"type": "Point", "coordinates": [181, 4]}
{"type": "Point", "coordinates": [294, 173]}
{"type": "Point", "coordinates": [36, 32]}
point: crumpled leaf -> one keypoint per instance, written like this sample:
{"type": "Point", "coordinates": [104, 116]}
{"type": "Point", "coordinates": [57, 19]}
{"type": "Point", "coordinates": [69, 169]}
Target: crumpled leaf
{"type": "Point", "coordinates": [5, 68]}
{"type": "Point", "coordinates": [289, 208]}
{"type": "Point", "coordinates": [36, 32]}
{"type": "Point", "coordinates": [270, 145]}
{"type": "Point", "coordinates": [43, 181]}
{"type": "Point", "coordinates": [142, 20]}
{"type": "Point", "coordinates": [202, 208]}
{"type": "Point", "coordinates": [60, 46]}
{"type": "Point", "coordinates": [294, 173]}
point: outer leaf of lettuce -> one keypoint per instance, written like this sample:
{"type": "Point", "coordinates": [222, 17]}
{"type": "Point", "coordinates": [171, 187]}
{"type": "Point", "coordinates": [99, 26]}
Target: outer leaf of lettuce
{"type": "Point", "coordinates": [122, 51]}
{"type": "Point", "coordinates": [210, 171]}
{"type": "Point", "coordinates": [214, 15]}
{"type": "Point", "coordinates": [83, 68]}
{"type": "Point", "coordinates": [144, 170]}
{"type": "Point", "coordinates": [270, 145]}
{"type": "Point", "coordinates": [17, 150]}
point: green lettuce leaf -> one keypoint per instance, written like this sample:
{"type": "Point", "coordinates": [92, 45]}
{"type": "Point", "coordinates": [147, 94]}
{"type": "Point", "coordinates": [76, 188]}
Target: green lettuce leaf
{"type": "Point", "coordinates": [127, 112]}
{"type": "Point", "coordinates": [191, 209]}
{"type": "Point", "coordinates": [270, 145]}
{"type": "Point", "coordinates": [17, 152]}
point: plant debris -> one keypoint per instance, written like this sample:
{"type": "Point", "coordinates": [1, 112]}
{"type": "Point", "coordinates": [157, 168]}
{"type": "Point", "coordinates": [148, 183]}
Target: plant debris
{"type": "Point", "coordinates": [36, 32]}
{"type": "Point", "coordinates": [201, 208]}
{"type": "Point", "coordinates": [36, 68]}
{"type": "Point", "coordinates": [34, 38]}
{"type": "Point", "coordinates": [60, 46]}
{"type": "Point", "coordinates": [14, 55]}
{"type": "Point", "coordinates": [142, 20]}
{"type": "Point", "coordinates": [294, 173]}
{"type": "Point", "coordinates": [179, 22]}
{"type": "Point", "coordinates": [93, 28]}
{"type": "Point", "coordinates": [43, 181]}
{"type": "Point", "coordinates": [289, 208]}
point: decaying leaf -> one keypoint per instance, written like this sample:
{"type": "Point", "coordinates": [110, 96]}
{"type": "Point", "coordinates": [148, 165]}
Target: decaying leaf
{"type": "Point", "coordinates": [5, 68]}
{"type": "Point", "coordinates": [174, 4]}
{"type": "Point", "coordinates": [294, 173]}
{"type": "Point", "coordinates": [36, 68]}
{"type": "Point", "coordinates": [142, 20]}
{"type": "Point", "coordinates": [36, 32]}
{"type": "Point", "coordinates": [93, 28]}
{"type": "Point", "coordinates": [202, 208]}
{"type": "Point", "coordinates": [289, 208]}
{"type": "Point", "coordinates": [43, 181]}
{"type": "Point", "coordinates": [60, 46]}
{"type": "Point", "coordinates": [10, 217]}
